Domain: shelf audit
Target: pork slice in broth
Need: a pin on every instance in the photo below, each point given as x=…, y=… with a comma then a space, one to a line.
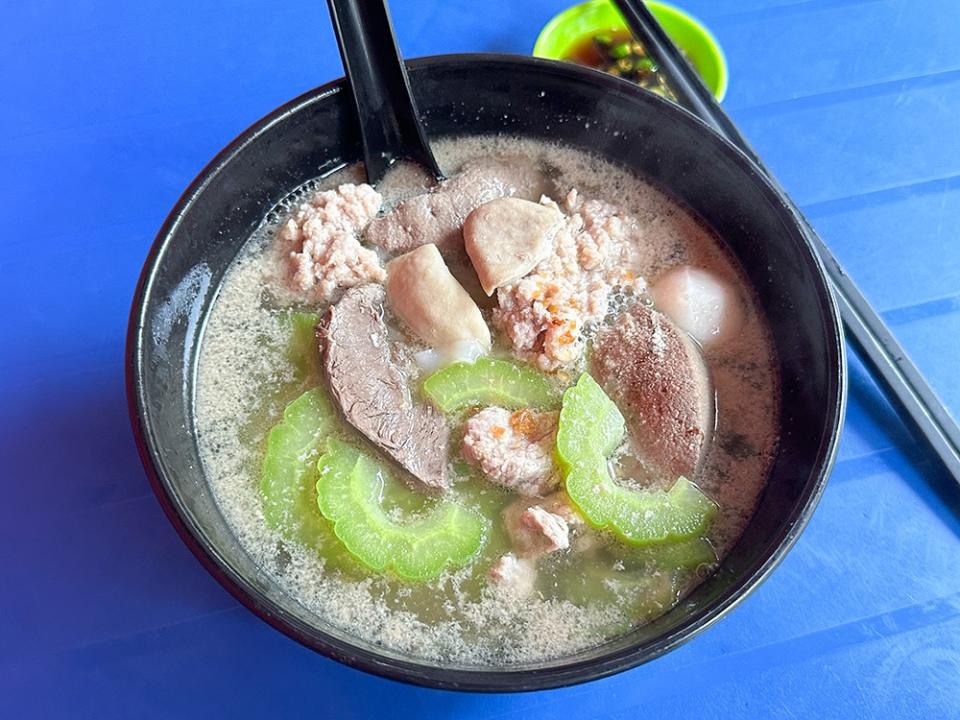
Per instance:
x=658, y=378
x=372, y=392
x=437, y=217
x=534, y=530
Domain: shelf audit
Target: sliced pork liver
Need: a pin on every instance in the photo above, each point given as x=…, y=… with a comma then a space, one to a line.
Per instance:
x=657, y=377
x=372, y=392
x=438, y=216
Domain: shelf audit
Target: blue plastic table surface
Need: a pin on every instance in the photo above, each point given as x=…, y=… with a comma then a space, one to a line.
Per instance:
x=109, y=109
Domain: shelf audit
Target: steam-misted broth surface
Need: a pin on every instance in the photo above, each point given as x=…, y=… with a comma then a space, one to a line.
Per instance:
x=247, y=376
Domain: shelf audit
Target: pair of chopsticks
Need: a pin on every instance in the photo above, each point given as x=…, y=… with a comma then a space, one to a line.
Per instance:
x=902, y=383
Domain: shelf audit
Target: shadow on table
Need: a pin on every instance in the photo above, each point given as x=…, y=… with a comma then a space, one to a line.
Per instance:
x=939, y=491
x=88, y=553
x=100, y=592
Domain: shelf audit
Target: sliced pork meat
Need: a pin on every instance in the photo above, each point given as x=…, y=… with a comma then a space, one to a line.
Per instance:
x=372, y=391
x=424, y=294
x=583, y=538
x=559, y=504
x=534, y=530
x=513, y=449
x=657, y=377
x=437, y=217
x=506, y=238
x=322, y=245
x=513, y=576
x=544, y=315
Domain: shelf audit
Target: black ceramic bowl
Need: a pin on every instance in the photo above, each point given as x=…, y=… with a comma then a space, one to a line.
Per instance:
x=315, y=134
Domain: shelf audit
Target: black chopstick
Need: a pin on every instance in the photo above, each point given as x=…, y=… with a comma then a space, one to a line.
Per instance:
x=900, y=379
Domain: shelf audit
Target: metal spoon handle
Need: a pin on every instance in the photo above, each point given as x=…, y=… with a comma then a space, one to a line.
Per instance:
x=389, y=122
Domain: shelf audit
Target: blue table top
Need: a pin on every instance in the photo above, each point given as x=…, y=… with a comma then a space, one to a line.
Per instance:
x=110, y=108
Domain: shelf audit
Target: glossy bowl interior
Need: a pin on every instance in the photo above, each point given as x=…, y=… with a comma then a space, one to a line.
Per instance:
x=316, y=134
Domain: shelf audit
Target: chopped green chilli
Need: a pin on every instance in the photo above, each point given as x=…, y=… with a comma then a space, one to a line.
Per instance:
x=349, y=492
x=618, y=53
x=490, y=382
x=288, y=477
x=590, y=428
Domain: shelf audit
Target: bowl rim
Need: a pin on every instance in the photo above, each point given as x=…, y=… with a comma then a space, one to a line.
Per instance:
x=418, y=672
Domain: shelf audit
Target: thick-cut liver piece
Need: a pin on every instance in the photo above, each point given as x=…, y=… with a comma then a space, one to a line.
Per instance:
x=657, y=377
x=372, y=392
x=437, y=217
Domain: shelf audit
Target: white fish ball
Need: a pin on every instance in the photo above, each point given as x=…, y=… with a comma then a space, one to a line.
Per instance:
x=700, y=303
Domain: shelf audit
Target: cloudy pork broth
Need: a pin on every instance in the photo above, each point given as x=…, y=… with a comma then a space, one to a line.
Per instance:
x=489, y=423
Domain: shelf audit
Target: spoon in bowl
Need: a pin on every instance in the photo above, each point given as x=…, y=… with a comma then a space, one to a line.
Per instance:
x=390, y=126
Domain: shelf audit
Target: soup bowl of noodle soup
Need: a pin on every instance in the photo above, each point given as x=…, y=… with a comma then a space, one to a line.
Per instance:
x=530, y=426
